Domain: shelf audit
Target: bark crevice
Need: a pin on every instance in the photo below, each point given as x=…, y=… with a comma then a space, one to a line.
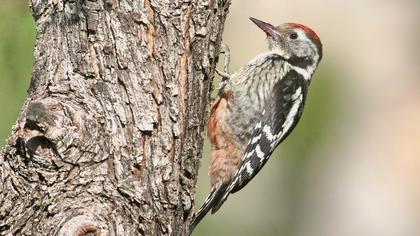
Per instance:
x=109, y=139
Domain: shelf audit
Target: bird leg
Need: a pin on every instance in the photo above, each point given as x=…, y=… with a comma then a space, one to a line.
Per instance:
x=225, y=73
x=226, y=52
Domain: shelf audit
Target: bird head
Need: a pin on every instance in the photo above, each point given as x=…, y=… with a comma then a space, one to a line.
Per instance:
x=293, y=41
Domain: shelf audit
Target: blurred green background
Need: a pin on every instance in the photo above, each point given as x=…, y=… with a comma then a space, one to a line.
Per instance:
x=17, y=38
x=352, y=165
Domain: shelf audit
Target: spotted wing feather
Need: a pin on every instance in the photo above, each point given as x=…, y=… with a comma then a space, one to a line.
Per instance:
x=281, y=116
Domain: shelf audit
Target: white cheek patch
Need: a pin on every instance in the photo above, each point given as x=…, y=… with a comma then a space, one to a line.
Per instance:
x=301, y=51
x=305, y=38
x=304, y=51
x=302, y=35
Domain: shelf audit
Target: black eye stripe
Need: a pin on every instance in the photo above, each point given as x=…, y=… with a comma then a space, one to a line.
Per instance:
x=293, y=36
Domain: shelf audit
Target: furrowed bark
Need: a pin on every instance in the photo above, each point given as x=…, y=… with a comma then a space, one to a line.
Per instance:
x=109, y=139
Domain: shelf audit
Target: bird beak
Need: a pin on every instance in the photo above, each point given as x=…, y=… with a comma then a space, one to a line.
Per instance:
x=266, y=27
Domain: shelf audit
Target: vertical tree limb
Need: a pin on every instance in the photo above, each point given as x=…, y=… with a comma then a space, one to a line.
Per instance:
x=109, y=137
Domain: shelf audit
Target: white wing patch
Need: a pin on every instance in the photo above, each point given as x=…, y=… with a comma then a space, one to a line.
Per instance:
x=259, y=153
x=249, y=154
x=268, y=134
x=256, y=139
x=248, y=168
x=306, y=74
x=298, y=98
x=297, y=94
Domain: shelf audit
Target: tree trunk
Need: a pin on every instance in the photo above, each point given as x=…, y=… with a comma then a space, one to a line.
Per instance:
x=109, y=138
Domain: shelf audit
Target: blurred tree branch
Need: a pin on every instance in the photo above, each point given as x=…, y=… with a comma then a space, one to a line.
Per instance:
x=110, y=134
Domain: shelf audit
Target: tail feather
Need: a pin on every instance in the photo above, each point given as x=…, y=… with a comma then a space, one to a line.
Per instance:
x=221, y=200
x=212, y=200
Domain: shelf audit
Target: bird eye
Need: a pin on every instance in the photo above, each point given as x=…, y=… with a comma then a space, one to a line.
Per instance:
x=294, y=36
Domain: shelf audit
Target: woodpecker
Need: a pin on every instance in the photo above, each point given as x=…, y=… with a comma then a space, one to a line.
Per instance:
x=257, y=108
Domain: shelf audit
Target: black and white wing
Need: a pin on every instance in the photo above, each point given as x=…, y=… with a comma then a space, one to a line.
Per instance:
x=283, y=112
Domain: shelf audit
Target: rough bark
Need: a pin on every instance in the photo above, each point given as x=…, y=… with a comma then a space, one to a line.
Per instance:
x=109, y=139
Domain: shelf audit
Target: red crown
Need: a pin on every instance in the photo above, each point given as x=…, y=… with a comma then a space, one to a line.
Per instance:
x=306, y=29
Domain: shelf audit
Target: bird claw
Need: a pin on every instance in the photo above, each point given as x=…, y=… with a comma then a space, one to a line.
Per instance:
x=225, y=73
x=226, y=51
